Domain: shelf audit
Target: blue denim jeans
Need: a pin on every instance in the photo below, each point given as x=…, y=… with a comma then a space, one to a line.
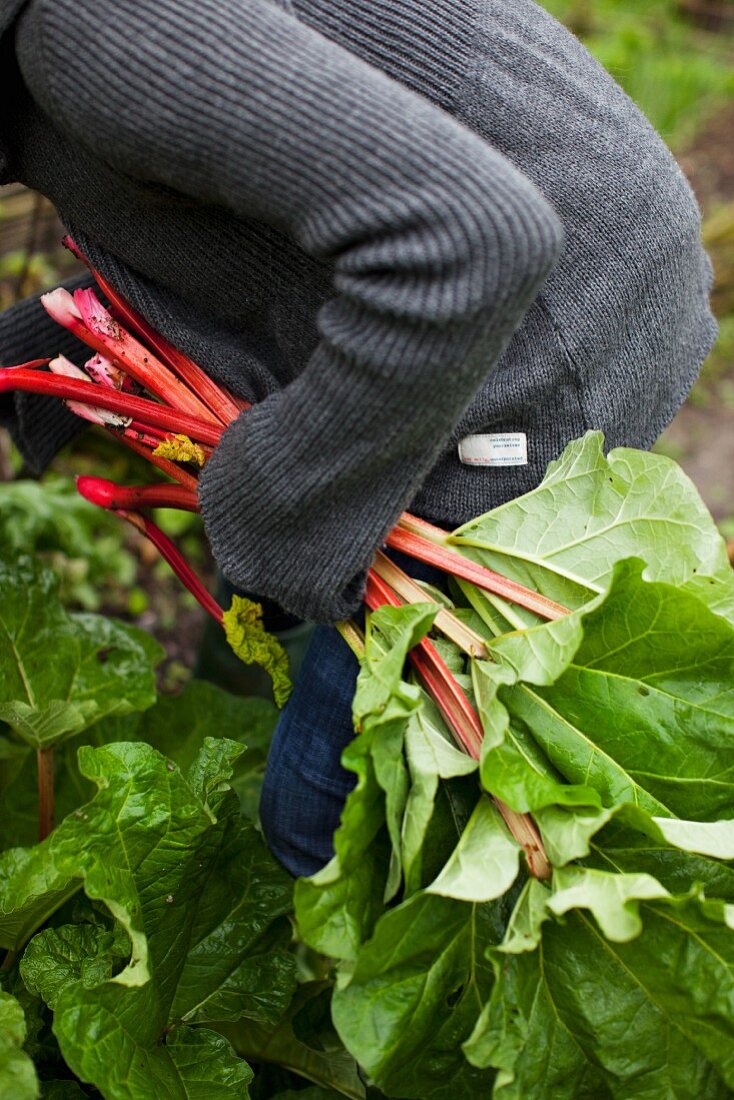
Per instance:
x=305, y=785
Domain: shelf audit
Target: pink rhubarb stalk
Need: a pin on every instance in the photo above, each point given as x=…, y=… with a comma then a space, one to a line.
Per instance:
x=150, y=412
x=218, y=400
x=175, y=559
x=422, y=527
x=113, y=341
x=64, y=368
x=449, y=624
x=451, y=561
x=106, y=373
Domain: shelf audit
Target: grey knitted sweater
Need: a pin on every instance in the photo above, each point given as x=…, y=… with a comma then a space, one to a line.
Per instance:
x=348, y=210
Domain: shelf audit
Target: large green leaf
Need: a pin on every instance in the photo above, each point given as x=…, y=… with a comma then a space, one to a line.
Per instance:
x=337, y=907
x=203, y=905
x=634, y=698
x=62, y=1090
x=431, y=757
x=297, y=1045
x=63, y=672
x=58, y=957
x=314, y=1093
x=414, y=994
x=623, y=849
x=564, y=538
x=646, y=1018
x=485, y=862
x=17, y=1075
x=176, y=725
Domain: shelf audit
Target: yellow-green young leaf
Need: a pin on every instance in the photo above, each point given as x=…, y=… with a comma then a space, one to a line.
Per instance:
x=251, y=642
x=181, y=449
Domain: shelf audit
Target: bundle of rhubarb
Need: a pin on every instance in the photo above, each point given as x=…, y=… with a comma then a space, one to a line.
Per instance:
x=532, y=892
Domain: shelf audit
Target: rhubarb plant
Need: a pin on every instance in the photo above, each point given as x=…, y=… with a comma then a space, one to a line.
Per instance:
x=612, y=727
x=532, y=891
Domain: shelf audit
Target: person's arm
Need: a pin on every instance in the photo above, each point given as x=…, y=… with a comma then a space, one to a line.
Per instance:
x=40, y=426
x=438, y=243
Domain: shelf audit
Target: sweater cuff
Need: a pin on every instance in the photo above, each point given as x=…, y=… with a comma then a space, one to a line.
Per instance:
x=311, y=561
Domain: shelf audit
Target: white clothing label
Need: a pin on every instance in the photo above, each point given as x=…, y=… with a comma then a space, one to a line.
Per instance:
x=502, y=449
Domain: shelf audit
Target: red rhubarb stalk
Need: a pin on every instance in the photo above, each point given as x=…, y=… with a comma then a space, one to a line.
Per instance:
x=132, y=498
x=46, y=795
x=113, y=341
x=175, y=559
x=462, y=719
x=32, y=364
x=415, y=546
x=15, y=378
x=218, y=400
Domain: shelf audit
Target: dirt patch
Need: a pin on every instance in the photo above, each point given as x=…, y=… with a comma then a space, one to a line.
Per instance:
x=709, y=163
x=701, y=437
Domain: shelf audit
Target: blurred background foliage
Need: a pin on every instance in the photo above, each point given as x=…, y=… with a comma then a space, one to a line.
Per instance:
x=673, y=57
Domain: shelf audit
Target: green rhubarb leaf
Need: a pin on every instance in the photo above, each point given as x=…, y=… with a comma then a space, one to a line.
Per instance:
x=485, y=862
x=583, y=1016
x=641, y=708
x=63, y=672
x=526, y=922
x=296, y=1042
x=383, y=706
x=62, y=1090
x=17, y=1075
x=431, y=757
x=336, y=908
x=203, y=906
x=619, y=848
x=614, y=899
x=251, y=642
x=59, y=957
x=176, y=725
x=589, y=512
x=309, y=1094
x=414, y=994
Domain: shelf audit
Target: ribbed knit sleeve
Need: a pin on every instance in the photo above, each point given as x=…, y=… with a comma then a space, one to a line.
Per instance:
x=438, y=243
x=40, y=426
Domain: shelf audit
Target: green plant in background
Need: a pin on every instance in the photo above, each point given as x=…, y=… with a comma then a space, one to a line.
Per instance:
x=83, y=544
x=677, y=75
